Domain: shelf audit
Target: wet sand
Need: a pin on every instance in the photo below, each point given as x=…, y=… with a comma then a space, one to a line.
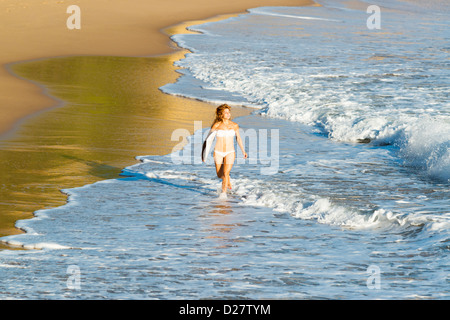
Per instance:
x=33, y=29
x=111, y=111
x=83, y=117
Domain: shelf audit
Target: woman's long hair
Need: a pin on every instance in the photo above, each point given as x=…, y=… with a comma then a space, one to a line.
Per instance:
x=219, y=113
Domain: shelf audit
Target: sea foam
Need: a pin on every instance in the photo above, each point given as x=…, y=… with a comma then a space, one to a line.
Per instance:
x=352, y=83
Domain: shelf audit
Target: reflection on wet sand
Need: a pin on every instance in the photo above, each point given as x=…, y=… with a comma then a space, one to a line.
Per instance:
x=113, y=111
x=220, y=225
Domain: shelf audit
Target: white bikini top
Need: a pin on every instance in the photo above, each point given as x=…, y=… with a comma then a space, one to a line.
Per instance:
x=226, y=133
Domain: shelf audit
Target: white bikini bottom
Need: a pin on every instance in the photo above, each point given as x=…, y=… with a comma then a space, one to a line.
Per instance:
x=223, y=154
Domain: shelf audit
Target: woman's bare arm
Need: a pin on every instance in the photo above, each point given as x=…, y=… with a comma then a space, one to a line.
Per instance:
x=239, y=141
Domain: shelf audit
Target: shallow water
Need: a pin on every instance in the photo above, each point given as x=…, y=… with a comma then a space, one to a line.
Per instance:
x=164, y=234
x=323, y=67
x=108, y=111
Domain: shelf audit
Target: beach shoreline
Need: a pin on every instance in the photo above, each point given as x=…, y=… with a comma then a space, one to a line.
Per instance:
x=33, y=31
x=321, y=215
x=28, y=142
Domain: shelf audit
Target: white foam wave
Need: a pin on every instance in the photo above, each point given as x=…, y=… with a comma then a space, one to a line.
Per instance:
x=341, y=88
x=264, y=11
x=310, y=207
x=426, y=145
x=287, y=197
x=35, y=246
x=283, y=198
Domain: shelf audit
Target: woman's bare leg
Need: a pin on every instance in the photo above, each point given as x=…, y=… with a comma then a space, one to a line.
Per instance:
x=223, y=168
x=227, y=165
x=218, y=161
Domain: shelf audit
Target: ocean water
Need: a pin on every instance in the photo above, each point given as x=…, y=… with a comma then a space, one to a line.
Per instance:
x=345, y=194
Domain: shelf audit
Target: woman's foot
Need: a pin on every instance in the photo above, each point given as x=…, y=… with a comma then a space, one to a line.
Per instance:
x=224, y=187
x=223, y=195
x=226, y=184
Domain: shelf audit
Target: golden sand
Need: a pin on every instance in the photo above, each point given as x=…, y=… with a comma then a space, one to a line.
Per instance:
x=101, y=101
x=113, y=111
x=32, y=29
